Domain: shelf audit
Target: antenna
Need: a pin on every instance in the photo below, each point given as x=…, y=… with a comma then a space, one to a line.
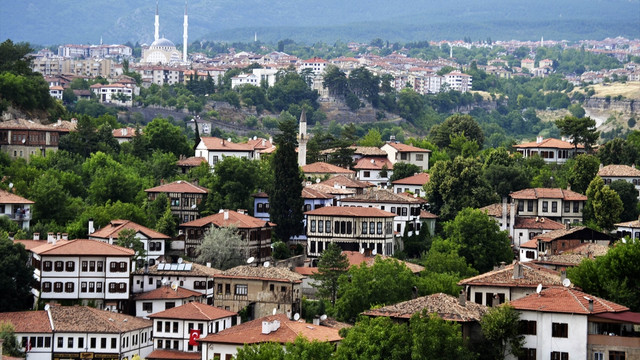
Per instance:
x=296, y=316
x=566, y=283
x=10, y=185
x=266, y=264
x=539, y=289
x=194, y=206
x=250, y=260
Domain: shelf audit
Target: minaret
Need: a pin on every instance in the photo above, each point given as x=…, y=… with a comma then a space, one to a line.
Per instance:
x=450, y=51
x=542, y=41
x=255, y=36
x=302, y=140
x=156, y=35
x=185, y=44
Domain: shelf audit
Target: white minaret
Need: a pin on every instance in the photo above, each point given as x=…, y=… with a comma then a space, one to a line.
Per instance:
x=184, y=35
x=156, y=35
x=450, y=51
x=542, y=41
x=255, y=36
x=302, y=140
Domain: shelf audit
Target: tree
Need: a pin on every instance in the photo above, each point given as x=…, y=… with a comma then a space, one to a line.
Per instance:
x=457, y=125
x=300, y=349
x=286, y=198
x=223, y=247
x=233, y=182
x=403, y=170
x=335, y=80
x=603, y=204
x=583, y=170
x=280, y=251
x=167, y=137
x=434, y=338
x=480, y=239
x=387, y=281
x=16, y=276
x=618, y=151
x=332, y=264
x=375, y=338
x=456, y=184
x=372, y=138
x=500, y=327
x=127, y=238
x=580, y=130
x=629, y=197
x=613, y=276
x=10, y=344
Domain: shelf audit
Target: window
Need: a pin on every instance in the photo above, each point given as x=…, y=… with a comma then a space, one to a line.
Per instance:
x=616, y=355
x=159, y=326
x=147, y=306
x=83, y=287
x=554, y=206
x=175, y=326
x=169, y=305
x=92, y=266
x=227, y=288
x=528, y=354
x=93, y=343
x=57, y=287
x=545, y=206
x=70, y=342
x=557, y=355
x=100, y=266
x=567, y=206
x=123, y=266
x=530, y=254
x=366, y=174
x=241, y=289
x=313, y=226
x=68, y=287
x=219, y=291
x=46, y=286
x=349, y=227
x=98, y=287
x=113, y=266
x=103, y=343
x=320, y=226
x=419, y=157
x=520, y=205
x=122, y=287
x=598, y=356
x=530, y=205
x=81, y=342
x=59, y=266
x=364, y=227
x=327, y=226
x=70, y=266
x=372, y=228
x=528, y=327
x=404, y=211
x=559, y=330
x=576, y=206
x=46, y=266
x=60, y=341
x=112, y=287
x=404, y=156
x=379, y=227
x=84, y=266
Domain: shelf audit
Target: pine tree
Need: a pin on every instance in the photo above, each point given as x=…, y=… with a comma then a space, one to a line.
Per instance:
x=285, y=199
x=331, y=265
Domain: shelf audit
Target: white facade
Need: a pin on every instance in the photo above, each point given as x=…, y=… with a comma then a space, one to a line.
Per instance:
x=174, y=334
x=397, y=153
x=374, y=176
x=255, y=78
x=458, y=81
x=406, y=214
x=416, y=189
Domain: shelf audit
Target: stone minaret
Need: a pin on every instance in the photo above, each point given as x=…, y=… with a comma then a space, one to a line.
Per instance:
x=184, y=35
x=156, y=35
x=302, y=140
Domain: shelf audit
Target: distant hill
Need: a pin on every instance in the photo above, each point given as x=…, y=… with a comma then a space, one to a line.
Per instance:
x=75, y=21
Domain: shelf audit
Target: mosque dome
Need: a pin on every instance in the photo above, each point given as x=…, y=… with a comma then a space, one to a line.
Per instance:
x=162, y=42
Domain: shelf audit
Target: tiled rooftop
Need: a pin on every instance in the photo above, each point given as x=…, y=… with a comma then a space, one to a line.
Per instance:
x=84, y=319
x=164, y=354
x=549, y=143
x=166, y=292
x=406, y=148
x=445, y=306
x=376, y=195
x=547, y=193
x=566, y=300
x=417, y=179
x=11, y=198
x=373, y=163
x=82, y=247
x=113, y=229
x=193, y=311
x=532, y=275
x=325, y=168
x=234, y=218
x=350, y=211
x=28, y=321
x=619, y=171
x=541, y=223
x=261, y=273
x=196, y=270
x=179, y=186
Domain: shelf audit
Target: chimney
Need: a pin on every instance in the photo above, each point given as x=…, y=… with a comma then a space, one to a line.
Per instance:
x=51, y=238
x=569, y=187
x=517, y=271
x=91, y=228
x=502, y=264
x=226, y=214
x=58, y=236
x=563, y=275
x=36, y=236
x=266, y=327
x=504, y=213
x=208, y=264
x=590, y=305
x=601, y=166
x=124, y=131
x=316, y=321
x=264, y=142
x=65, y=236
x=539, y=139
x=462, y=298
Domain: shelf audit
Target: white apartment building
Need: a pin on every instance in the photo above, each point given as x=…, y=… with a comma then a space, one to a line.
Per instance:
x=561, y=205
x=255, y=78
x=398, y=152
x=154, y=243
x=82, y=270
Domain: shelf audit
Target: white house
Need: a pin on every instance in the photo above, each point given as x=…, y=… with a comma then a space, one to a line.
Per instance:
x=564, y=323
x=629, y=228
x=256, y=78
x=458, y=81
x=121, y=94
x=398, y=152
x=214, y=149
x=561, y=205
x=414, y=184
x=173, y=328
x=80, y=332
x=376, y=170
x=56, y=92
x=612, y=173
x=164, y=298
x=153, y=241
x=551, y=150
x=82, y=270
x=16, y=208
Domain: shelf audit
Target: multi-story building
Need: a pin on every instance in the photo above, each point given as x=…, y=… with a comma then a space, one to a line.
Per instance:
x=414, y=184
x=82, y=271
x=154, y=242
x=121, y=94
x=164, y=298
x=458, y=81
x=255, y=231
x=22, y=138
x=406, y=208
x=551, y=150
x=184, y=198
x=564, y=323
x=80, y=332
x=558, y=241
x=351, y=228
x=186, y=275
x=256, y=78
x=376, y=170
x=561, y=205
x=16, y=208
x=398, y=152
x=215, y=149
x=626, y=173
x=320, y=170
x=260, y=289
x=177, y=329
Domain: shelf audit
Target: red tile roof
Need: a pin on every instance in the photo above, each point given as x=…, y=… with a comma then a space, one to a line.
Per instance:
x=541, y=223
x=30, y=244
x=373, y=163
x=424, y=214
x=166, y=292
x=270, y=273
x=241, y=221
x=251, y=332
x=173, y=355
x=127, y=132
x=83, y=319
x=549, y=143
x=566, y=300
x=306, y=270
x=191, y=161
x=193, y=311
x=356, y=258
x=325, y=168
x=619, y=171
x=445, y=306
x=309, y=193
x=179, y=186
x=531, y=244
x=23, y=124
x=532, y=275
x=11, y=198
x=214, y=143
x=495, y=210
x=400, y=147
x=375, y=195
x=547, y=193
x=28, y=321
x=82, y=247
x=350, y=211
x=341, y=180
x=113, y=229
x=417, y=179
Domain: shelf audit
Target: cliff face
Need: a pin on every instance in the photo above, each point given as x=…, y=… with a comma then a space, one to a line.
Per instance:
x=625, y=106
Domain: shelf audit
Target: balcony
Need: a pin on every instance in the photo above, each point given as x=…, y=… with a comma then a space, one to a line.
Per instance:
x=617, y=341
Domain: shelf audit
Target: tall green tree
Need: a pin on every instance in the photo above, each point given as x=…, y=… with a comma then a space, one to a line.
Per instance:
x=403, y=170
x=580, y=130
x=629, y=197
x=286, y=197
x=372, y=138
x=127, y=238
x=332, y=264
x=376, y=339
x=583, y=169
x=434, y=338
x=233, y=182
x=167, y=137
x=455, y=125
x=603, y=204
x=16, y=276
x=10, y=344
x=501, y=329
x=480, y=239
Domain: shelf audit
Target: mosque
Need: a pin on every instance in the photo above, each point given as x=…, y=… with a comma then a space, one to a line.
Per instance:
x=163, y=51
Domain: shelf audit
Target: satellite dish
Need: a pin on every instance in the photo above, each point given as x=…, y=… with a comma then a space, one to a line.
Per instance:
x=174, y=285
x=374, y=252
x=266, y=264
x=362, y=251
x=47, y=307
x=296, y=316
x=24, y=141
x=180, y=260
x=539, y=289
x=317, y=180
x=250, y=260
x=566, y=283
x=10, y=185
x=323, y=317
x=194, y=206
x=164, y=282
x=274, y=311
